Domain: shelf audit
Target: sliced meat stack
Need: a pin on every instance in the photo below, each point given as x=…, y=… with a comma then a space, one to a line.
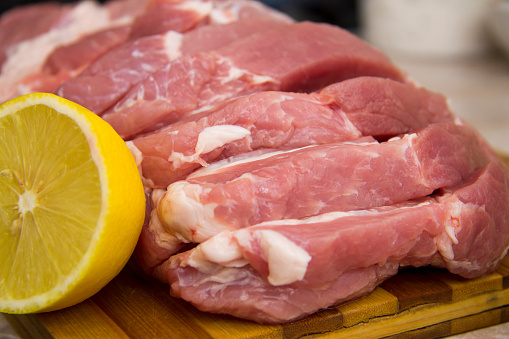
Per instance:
x=270, y=119
x=289, y=166
x=320, y=54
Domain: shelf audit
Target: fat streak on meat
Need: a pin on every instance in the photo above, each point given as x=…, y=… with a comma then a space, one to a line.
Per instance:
x=67, y=61
x=321, y=54
x=25, y=23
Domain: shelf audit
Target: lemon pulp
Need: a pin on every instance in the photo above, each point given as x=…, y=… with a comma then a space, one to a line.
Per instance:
x=42, y=204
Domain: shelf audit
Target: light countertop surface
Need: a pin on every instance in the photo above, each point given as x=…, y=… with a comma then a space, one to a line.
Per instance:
x=478, y=90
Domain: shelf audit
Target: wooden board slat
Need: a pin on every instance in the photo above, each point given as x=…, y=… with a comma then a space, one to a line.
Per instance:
x=85, y=320
x=423, y=316
x=416, y=303
x=414, y=287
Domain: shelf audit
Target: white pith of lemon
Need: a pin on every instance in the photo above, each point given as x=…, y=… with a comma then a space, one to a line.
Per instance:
x=71, y=204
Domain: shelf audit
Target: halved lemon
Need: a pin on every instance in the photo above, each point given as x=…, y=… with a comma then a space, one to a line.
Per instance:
x=71, y=204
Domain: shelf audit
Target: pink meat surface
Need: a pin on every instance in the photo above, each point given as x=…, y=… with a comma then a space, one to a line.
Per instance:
x=105, y=81
x=24, y=23
x=289, y=120
x=318, y=179
x=22, y=69
x=321, y=54
x=126, y=10
x=284, y=270
x=67, y=61
x=74, y=57
x=161, y=16
x=384, y=108
x=261, y=120
x=239, y=192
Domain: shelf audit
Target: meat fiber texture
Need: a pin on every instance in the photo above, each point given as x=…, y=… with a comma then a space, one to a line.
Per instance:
x=289, y=166
x=43, y=52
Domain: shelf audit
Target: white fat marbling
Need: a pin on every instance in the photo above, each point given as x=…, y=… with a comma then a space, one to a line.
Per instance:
x=173, y=44
x=208, y=140
x=287, y=261
x=197, y=6
x=223, y=249
x=183, y=215
x=241, y=159
x=217, y=136
x=86, y=17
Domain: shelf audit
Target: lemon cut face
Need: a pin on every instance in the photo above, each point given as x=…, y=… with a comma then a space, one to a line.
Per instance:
x=71, y=204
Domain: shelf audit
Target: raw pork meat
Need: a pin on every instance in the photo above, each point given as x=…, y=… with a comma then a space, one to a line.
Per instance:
x=241, y=191
x=74, y=57
x=311, y=180
x=261, y=120
x=321, y=54
x=67, y=61
x=161, y=16
x=25, y=23
x=26, y=55
x=345, y=111
x=105, y=81
x=383, y=109
x=283, y=270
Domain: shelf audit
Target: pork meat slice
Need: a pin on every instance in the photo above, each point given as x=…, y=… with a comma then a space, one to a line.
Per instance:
x=245, y=190
x=161, y=16
x=318, y=179
x=257, y=186
x=67, y=61
x=384, y=109
x=23, y=71
x=299, y=57
x=261, y=120
x=105, y=81
x=286, y=120
x=74, y=57
x=283, y=270
x=26, y=58
x=27, y=22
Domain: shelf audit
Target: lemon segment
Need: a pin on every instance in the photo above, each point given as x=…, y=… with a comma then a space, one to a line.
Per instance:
x=71, y=204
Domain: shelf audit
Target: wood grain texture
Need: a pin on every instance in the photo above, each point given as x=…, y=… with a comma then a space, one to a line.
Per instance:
x=416, y=303
x=424, y=302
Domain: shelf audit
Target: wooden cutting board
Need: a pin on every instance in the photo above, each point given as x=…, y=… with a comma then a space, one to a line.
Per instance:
x=416, y=303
